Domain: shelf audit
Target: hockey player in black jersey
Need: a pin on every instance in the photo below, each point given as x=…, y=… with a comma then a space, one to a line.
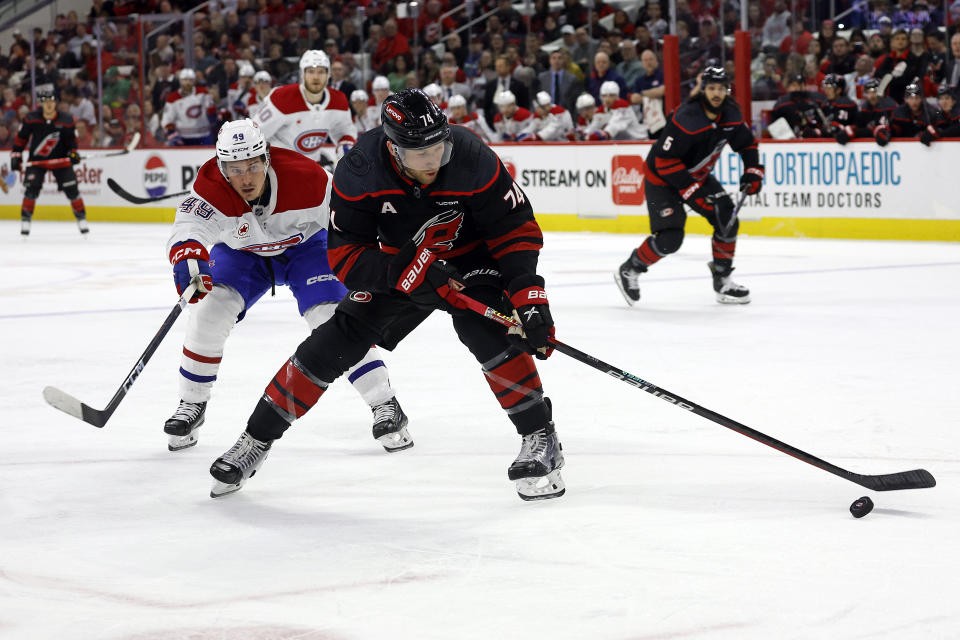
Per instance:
x=839, y=111
x=678, y=174
x=916, y=118
x=50, y=134
x=419, y=208
x=949, y=126
x=876, y=112
x=801, y=109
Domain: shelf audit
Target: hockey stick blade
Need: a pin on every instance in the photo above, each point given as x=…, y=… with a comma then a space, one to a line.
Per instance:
x=129, y=197
x=68, y=404
x=914, y=479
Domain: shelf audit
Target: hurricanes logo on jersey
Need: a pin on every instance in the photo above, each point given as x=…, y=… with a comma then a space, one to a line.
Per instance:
x=47, y=145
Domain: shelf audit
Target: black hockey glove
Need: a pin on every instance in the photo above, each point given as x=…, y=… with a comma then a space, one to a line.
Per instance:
x=417, y=272
x=752, y=180
x=928, y=135
x=842, y=134
x=532, y=310
x=74, y=157
x=15, y=162
x=882, y=136
x=700, y=198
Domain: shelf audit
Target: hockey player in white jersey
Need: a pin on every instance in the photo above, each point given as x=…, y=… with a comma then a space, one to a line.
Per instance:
x=254, y=219
x=365, y=117
x=262, y=85
x=512, y=120
x=615, y=119
x=435, y=93
x=188, y=112
x=381, y=91
x=550, y=122
x=471, y=120
x=304, y=116
x=240, y=92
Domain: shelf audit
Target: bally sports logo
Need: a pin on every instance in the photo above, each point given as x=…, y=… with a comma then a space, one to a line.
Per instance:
x=310, y=140
x=155, y=176
x=391, y=111
x=627, y=182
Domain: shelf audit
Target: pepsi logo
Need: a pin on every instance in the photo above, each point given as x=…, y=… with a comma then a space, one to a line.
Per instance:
x=194, y=111
x=155, y=176
x=391, y=111
x=310, y=141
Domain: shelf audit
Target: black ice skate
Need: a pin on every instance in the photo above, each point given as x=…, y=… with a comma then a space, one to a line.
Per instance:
x=627, y=277
x=236, y=466
x=537, y=468
x=728, y=291
x=183, y=424
x=390, y=426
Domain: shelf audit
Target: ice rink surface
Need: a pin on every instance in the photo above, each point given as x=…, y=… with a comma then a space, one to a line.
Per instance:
x=672, y=526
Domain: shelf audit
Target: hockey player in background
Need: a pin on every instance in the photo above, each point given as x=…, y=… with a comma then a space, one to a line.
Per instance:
x=586, y=110
x=365, y=117
x=839, y=110
x=254, y=219
x=188, y=113
x=800, y=108
x=416, y=204
x=471, y=120
x=615, y=119
x=381, y=90
x=303, y=116
x=511, y=120
x=678, y=174
x=241, y=91
x=916, y=118
x=50, y=135
x=949, y=126
x=876, y=111
x=435, y=93
x=550, y=122
x=262, y=85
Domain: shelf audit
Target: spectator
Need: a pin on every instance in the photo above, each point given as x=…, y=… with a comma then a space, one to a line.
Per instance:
x=630, y=66
x=392, y=44
x=621, y=23
x=349, y=38
x=449, y=86
x=862, y=74
x=113, y=134
x=65, y=57
x=6, y=136
x=906, y=17
x=454, y=45
x=952, y=71
x=85, y=134
x=350, y=70
x=767, y=86
x=277, y=65
x=840, y=60
x=504, y=82
x=650, y=84
x=510, y=18
x=828, y=33
x=902, y=66
x=80, y=107
x=777, y=26
x=569, y=37
x=76, y=43
x=338, y=79
x=573, y=13
x=799, y=39
x=655, y=22
x=584, y=49
x=602, y=73
x=398, y=76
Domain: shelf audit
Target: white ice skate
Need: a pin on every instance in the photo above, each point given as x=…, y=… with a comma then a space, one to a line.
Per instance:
x=537, y=467
x=239, y=464
x=390, y=426
x=183, y=424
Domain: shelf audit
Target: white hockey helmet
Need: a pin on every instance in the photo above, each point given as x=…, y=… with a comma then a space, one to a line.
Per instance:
x=543, y=99
x=456, y=100
x=245, y=69
x=433, y=90
x=585, y=101
x=359, y=95
x=609, y=88
x=262, y=76
x=505, y=97
x=241, y=140
x=381, y=82
x=187, y=74
x=314, y=58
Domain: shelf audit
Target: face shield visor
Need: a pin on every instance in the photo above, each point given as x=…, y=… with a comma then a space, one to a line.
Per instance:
x=426, y=159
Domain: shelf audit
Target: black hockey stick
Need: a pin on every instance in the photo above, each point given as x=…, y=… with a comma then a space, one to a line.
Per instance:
x=915, y=479
x=68, y=404
x=129, y=197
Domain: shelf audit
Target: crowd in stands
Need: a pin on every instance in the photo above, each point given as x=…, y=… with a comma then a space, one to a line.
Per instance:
x=563, y=72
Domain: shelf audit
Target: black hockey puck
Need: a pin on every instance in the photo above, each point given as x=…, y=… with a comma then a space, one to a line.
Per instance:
x=861, y=507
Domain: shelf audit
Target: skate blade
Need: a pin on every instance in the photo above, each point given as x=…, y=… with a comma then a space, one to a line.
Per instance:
x=541, y=488
x=623, y=291
x=220, y=489
x=723, y=298
x=178, y=443
x=396, y=441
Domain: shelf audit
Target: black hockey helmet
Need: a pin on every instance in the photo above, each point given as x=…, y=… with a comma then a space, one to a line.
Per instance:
x=946, y=90
x=412, y=121
x=715, y=75
x=913, y=89
x=871, y=85
x=46, y=92
x=838, y=82
x=796, y=78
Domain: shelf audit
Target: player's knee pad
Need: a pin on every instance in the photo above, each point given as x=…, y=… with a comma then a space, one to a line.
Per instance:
x=335, y=346
x=668, y=241
x=212, y=319
x=318, y=314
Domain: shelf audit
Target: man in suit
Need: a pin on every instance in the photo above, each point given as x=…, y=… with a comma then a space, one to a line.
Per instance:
x=952, y=77
x=338, y=79
x=449, y=86
x=559, y=83
x=503, y=82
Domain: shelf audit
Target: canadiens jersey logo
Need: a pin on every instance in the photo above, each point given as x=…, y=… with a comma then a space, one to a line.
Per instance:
x=310, y=140
x=194, y=111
